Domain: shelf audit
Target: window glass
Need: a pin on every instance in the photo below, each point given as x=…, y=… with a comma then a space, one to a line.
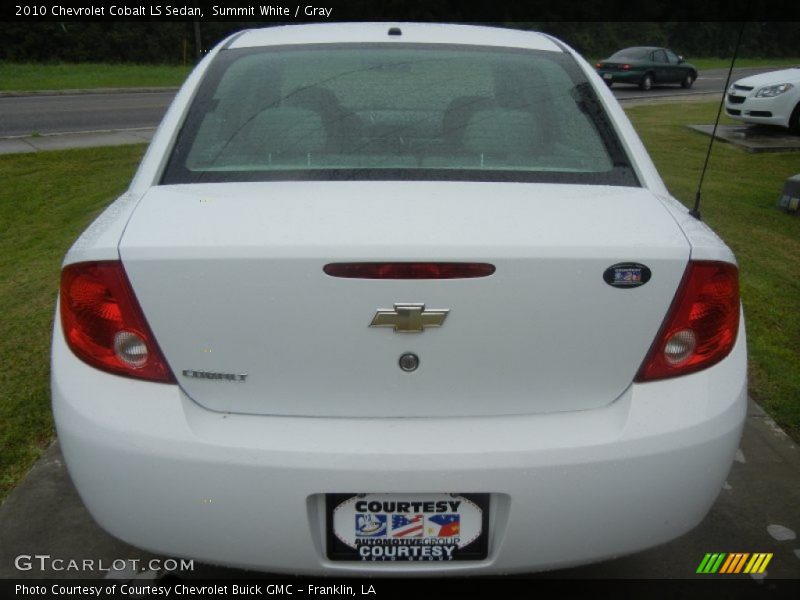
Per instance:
x=659, y=56
x=387, y=111
x=631, y=54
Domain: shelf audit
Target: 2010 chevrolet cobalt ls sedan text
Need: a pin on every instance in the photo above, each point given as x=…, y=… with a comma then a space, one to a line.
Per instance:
x=397, y=298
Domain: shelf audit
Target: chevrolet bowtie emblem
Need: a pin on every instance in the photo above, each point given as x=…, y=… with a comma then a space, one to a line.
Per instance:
x=409, y=318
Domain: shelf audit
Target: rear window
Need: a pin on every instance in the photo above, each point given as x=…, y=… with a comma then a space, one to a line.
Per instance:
x=392, y=111
x=632, y=54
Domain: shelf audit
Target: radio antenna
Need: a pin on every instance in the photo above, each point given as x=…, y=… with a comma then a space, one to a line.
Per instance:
x=695, y=212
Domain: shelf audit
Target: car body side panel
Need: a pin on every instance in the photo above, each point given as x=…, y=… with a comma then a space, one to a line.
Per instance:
x=705, y=243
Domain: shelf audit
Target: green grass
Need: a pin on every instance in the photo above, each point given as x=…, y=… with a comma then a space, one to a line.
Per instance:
x=84, y=76
x=738, y=201
x=704, y=64
x=46, y=200
x=741, y=63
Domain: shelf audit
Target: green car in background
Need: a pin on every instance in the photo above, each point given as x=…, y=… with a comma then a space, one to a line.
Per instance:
x=646, y=66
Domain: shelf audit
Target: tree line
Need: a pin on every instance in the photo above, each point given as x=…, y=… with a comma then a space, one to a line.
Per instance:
x=179, y=42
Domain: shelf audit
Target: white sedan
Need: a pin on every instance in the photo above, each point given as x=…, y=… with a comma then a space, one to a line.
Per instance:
x=398, y=298
x=768, y=99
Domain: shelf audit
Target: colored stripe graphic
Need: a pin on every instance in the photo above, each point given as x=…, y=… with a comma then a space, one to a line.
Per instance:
x=742, y=558
x=703, y=564
x=758, y=563
x=711, y=563
x=727, y=564
x=734, y=563
x=723, y=563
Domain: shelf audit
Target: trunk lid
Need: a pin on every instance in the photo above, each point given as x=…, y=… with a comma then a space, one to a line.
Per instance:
x=230, y=278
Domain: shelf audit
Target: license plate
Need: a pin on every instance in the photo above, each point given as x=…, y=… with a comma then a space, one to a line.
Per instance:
x=607, y=75
x=407, y=527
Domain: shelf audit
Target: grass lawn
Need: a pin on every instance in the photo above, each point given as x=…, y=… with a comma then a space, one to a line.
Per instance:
x=739, y=197
x=84, y=76
x=741, y=63
x=48, y=198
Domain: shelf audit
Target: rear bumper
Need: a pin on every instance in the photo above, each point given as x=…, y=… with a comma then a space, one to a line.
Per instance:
x=633, y=77
x=164, y=474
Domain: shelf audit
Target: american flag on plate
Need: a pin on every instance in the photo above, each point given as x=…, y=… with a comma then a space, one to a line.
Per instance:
x=407, y=526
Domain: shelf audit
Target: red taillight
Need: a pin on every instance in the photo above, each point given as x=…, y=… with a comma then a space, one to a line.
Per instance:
x=104, y=325
x=626, y=67
x=599, y=65
x=702, y=323
x=409, y=270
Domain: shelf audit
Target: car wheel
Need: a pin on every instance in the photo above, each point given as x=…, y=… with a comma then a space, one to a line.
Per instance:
x=687, y=81
x=647, y=82
x=794, y=120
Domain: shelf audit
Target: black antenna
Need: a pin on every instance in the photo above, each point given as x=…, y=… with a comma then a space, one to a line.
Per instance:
x=695, y=212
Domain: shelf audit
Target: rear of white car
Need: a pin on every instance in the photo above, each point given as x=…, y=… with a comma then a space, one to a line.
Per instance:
x=767, y=99
x=398, y=298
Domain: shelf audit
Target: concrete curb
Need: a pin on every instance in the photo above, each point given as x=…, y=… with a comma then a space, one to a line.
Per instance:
x=652, y=99
x=82, y=139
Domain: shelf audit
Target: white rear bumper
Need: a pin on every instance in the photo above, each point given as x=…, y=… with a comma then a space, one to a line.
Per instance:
x=164, y=474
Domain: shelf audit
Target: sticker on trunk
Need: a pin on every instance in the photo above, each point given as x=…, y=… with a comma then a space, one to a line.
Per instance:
x=627, y=275
x=407, y=527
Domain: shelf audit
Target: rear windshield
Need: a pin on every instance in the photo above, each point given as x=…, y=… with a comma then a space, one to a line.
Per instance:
x=396, y=111
x=631, y=54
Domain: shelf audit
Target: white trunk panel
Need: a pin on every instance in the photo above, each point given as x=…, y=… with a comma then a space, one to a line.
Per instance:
x=230, y=279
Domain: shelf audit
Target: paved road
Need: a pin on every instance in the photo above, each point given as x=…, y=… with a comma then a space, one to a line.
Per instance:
x=709, y=83
x=27, y=115
x=60, y=113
